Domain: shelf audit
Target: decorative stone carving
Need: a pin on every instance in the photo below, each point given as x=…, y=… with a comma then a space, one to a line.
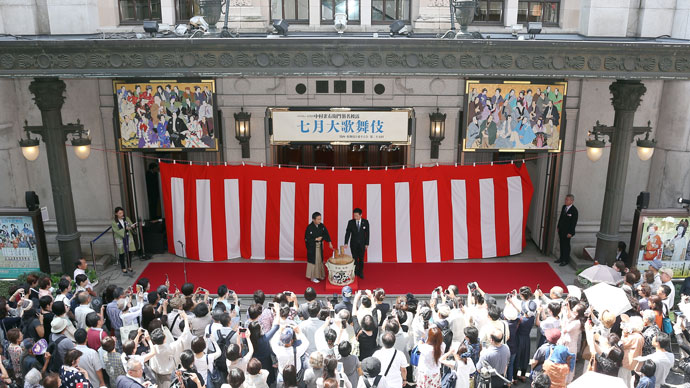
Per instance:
x=112, y=58
x=375, y=60
x=6, y=61
x=300, y=60
x=627, y=95
x=439, y=3
x=240, y=3
x=594, y=63
x=225, y=60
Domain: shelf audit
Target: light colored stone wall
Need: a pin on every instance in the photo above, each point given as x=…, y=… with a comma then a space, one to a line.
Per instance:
x=669, y=177
x=587, y=179
x=91, y=178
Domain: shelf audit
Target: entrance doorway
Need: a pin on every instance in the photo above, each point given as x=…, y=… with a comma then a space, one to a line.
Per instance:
x=354, y=155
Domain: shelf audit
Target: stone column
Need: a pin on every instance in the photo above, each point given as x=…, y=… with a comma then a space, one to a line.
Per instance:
x=627, y=96
x=48, y=95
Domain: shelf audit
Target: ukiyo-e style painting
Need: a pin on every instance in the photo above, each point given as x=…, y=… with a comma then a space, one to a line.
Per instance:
x=513, y=115
x=165, y=114
x=665, y=239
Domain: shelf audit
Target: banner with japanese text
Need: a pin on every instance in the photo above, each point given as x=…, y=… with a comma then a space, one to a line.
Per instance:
x=340, y=126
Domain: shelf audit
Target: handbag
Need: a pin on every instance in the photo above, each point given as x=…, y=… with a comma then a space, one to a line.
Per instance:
x=355, y=345
x=214, y=376
x=667, y=327
x=414, y=356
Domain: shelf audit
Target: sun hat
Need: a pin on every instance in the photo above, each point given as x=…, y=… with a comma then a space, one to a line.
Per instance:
x=57, y=326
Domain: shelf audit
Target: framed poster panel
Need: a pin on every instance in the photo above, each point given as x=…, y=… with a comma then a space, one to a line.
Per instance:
x=513, y=116
x=166, y=115
x=662, y=234
x=22, y=243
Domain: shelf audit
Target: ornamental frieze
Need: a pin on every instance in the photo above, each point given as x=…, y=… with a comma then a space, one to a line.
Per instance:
x=213, y=57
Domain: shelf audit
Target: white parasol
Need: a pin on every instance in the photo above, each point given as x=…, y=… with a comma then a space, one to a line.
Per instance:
x=605, y=297
x=602, y=274
x=594, y=379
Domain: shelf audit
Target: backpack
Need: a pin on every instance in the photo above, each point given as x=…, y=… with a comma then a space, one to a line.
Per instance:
x=219, y=364
x=377, y=380
x=55, y=358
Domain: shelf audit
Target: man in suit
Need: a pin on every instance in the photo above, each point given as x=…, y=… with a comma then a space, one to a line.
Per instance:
x=134, y=377
x=358, y=229
x=566, y=228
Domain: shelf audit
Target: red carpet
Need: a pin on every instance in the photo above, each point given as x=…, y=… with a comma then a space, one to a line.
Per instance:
x=395, y=278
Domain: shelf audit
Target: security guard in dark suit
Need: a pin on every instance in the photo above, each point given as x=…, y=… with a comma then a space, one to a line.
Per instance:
x=566, y=228
x=358, y=229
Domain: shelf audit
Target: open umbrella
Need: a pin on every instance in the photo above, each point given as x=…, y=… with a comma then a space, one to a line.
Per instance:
x=605, y=297
x=594, y=379
x=602, y=274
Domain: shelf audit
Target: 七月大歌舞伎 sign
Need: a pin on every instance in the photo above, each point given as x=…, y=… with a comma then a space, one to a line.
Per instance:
x=341, y=126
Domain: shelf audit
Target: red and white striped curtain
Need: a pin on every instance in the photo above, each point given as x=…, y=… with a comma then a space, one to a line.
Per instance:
x=425, y=214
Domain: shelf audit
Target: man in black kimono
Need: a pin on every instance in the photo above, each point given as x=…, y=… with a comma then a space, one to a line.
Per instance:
x=314, y=237
x=358, y=229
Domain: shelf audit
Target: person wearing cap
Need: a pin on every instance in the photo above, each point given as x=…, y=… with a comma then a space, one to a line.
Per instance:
x=527, y=312
x=64, y=344
x=288, y=345
x=655, y=266
x=314, y=237
x=666, y=276
x=559, y=365
x=346, y=303
x=544, y=351
x=511, y=317
x=371, y=375
x=31, y=350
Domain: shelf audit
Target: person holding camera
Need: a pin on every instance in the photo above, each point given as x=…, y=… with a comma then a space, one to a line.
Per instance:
x=204, y=359
x=187, y=376
x=289, y=346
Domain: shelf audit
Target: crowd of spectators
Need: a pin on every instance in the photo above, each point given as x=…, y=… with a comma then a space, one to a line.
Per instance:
x=146, y=336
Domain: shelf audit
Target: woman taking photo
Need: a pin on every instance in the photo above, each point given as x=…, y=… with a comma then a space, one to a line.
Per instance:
x=429, y=368
x=123, y=229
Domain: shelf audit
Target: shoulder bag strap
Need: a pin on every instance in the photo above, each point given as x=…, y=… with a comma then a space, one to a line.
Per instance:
x=390, y=364
x=377, y=380
x=172, y=327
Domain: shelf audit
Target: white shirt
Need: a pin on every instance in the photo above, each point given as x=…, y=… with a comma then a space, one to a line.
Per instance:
x=427, y=365
x=463, y=372
x=393, y=378
x=286, y=356
x=91, y=362
x=382, y=382
x=309, y=329
x=62, y=298
x=80, y=314
x=672, y=296
x=79, y=271
x=204, y=364
x=664, y=362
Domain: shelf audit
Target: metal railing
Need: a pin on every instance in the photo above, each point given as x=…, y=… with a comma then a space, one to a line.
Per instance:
x=93, y=256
